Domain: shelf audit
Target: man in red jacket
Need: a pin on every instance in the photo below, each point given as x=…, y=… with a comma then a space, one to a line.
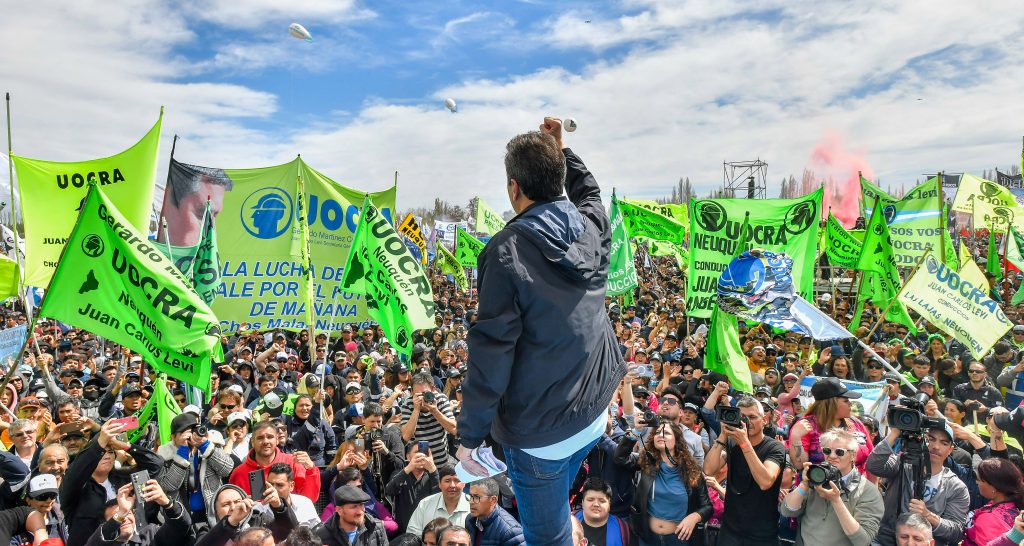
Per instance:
x=264, y=453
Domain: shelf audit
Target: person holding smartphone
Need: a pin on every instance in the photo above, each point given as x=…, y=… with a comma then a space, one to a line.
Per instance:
x=417, y=481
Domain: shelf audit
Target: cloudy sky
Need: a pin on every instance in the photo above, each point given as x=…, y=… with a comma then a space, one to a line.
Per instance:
x=660, y=89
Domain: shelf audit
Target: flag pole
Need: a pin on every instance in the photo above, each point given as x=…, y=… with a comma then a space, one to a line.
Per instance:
x=167, y=188
x=942, y=217
x=893, y=300
x=10, y=174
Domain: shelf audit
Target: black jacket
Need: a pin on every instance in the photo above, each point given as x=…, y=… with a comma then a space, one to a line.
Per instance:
x=406, y=492
x=699, y=500
x=83, y=500
x=172, y=531
x=372, y=533
x=544, y=361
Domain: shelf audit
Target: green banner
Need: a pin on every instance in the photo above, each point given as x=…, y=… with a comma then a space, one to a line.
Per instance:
x=10, y=277
x=396, y=290
x=780, y=225
x=913, y=219
x=842, y=247
x=113, y=282
x=723, y=352
x=985, y=201
x=665, y=248
x=52, y=194
x=992, y=259
x=643, y=222
x=956, y=307
x=881, y=276
x=166, y=409
x=467, y=248
x=258, y=236
x=675, y=211
x=487, y=220
x=621, y=266
x=305, y=258
x=449, y=265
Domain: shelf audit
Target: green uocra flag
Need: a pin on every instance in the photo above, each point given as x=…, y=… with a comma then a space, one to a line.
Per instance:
x=881, y=280
x=643, y=222
x=487, y=220
x=467, y=248
x=380, y=267
x=914, y=219
x=842, y=247
x=52, y=194
x=114, y=282
x=621, y=267
x=448, y=265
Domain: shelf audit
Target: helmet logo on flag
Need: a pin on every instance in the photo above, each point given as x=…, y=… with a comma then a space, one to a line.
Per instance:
x=711, y=216
x=92, y=245
x=800, y=217
x=267, y=213
x=890, y=213
x=989, y=189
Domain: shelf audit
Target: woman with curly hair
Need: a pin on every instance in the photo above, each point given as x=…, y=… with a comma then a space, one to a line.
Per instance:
x=671, y=495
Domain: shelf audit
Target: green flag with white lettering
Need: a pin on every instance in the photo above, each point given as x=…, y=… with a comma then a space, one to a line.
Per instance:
x=487, y=220
x=199, y=263
x=380, y=266
x=621, y=266
x=448, y=265
x=467, y=248
x=113, y=282
x=915, y=220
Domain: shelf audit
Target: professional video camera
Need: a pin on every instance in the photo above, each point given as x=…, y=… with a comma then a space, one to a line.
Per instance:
x=729, y=415
x=913, y=425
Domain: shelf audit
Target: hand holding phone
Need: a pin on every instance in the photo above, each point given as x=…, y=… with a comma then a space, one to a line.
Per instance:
x=257, y=485
x=130, y=423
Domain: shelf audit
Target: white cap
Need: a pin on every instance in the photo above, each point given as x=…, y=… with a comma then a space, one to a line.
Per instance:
x=384, y=340
x=353, y=385
x=825, y=297
x=42, y=484
x=272, y=401
x=281, y=355
x=236, y=416
x=136, y=359
x=235, y=388
x=193, y=409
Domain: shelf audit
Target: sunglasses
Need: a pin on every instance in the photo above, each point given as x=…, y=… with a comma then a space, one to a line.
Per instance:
x=790, y=359
x=840, y=452
x=875, y=366
x=45, y=497
x=227, y=406
x=687, y=370
x=670, y=402
x=353, y=391
x=976, y=371
x=21, y=434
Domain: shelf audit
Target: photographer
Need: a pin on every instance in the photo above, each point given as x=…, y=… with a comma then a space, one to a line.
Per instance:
x=755, y=476
x=945, y=498
x=427, y=416
x=194, y=465
x=847, y=506
x=831, y=409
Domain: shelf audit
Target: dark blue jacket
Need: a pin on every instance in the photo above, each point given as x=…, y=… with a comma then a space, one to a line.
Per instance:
x=601, y=462
x=497, y=529
x=543, y=359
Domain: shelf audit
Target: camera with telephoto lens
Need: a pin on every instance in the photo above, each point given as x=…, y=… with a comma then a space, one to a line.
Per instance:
x=822, y=474
x=428, y=397
x=201, y=430
x=729, y=415
x=373, y=435
x=653, y=420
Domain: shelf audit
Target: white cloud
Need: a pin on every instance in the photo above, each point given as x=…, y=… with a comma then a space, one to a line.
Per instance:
x=256, y=13
x=689, y=84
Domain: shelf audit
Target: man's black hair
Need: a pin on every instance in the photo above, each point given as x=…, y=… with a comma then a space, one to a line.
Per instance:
x=535, y=162
x=282, y=468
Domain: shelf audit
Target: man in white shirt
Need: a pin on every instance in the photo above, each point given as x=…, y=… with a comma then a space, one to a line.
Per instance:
x=282, y=478
x=451, y=503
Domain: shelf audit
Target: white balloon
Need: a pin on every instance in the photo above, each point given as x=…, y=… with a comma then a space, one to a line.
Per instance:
x=300, y=32
x=569, y=124
x=449, y=103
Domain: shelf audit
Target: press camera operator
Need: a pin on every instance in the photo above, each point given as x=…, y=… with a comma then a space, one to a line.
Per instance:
x=912, y=458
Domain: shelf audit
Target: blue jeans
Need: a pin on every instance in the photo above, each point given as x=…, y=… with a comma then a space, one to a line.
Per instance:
x=542, y=494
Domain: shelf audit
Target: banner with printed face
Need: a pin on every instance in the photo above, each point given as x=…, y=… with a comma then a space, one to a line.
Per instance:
x=52, y=194
x=780, y=225
x=11, y=341
x=956, y=306
x=259, y=240
x=913, y=219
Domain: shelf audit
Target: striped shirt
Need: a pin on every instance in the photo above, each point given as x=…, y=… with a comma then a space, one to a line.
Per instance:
x=429, y=429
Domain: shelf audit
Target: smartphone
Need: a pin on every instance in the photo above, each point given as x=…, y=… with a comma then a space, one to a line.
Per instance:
x=130, y=423
x=423, y=447
x=139, y=480
x=360, y=445
x=257, y=485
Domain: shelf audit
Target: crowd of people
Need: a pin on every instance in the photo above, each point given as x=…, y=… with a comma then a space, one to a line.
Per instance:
x=339, y=440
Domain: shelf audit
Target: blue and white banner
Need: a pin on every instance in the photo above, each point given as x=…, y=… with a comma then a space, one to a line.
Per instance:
x=11, y=341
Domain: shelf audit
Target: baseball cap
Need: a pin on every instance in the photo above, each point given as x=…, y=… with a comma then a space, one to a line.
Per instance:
x=281, y=356
x=273, y=404
x=183, y=422
x=312, y=381
x=237, y=416
x=830, y=387
x=28, y=401
x=41, y=485
x=892, y=377
x=944, y=428
x=690, y=406
x=1018, y=329
x=353, y=385
x=272, y=367
x=193, y=409
x=927, y=380
x=130, y=390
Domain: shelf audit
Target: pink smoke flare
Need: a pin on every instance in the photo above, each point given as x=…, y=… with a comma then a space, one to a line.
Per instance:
x=832, y=161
